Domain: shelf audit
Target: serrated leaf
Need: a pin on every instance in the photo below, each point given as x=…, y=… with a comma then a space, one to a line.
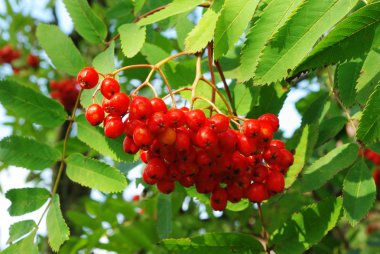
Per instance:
x=183, y=27
x=153, y=53
x=132, y=38
x=307, y=227
x=203, y=32
x=271, y=100
x=24, y=246
x=94, y=174
x=104, y=63
x=233, y=20
x=273, y=17
x=330, y=128
x=58, y=231
x=323, y=169
x=215, y=243
x=293, y=41
x=19, y=229
x=244, y=97
x=94, y=137
x=359, y=192
x=351, y=38
x=174, y=8
x=26, y=200
x=31, y=105
x=164, y=215
x=60, y=49
x=369, y=126
x=86, y=22
x=27, y=153
x=346, y=75
x=299, y=158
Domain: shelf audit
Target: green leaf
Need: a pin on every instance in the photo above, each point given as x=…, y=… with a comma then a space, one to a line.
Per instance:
x=94, y=174
x=19, y=229
x=351, y=38
x=271, y=100
x=370, y=73
x=58, y=231
x=104, y=62
x=232, y=22
x=330, y=128
x=299, y=157
x=24, y=246
x=274, y=16
x=327, y=166
x=164, y=215
x=215, y=243
x=132, y=38
x=86, y=23
x=239, y=206
x=293, y=41
x=243, y=98
x=174, y=8
x=94, y=137
x=307, y=227
x=359, y=192
x=60, y=49
x=31, y=105
x=346, y=75
x=153, y=53
x=369, y=126
x=26, y=200
x=203, y=32
x=183, y=27
x=27, y=153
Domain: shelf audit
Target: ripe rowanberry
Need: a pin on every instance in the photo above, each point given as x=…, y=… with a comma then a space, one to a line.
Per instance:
x=165, y=186
x=195, y=119
x=88, y=78
x=206, y=138
x=113, y=127
x=257, y=192
x=176, y=117
x=129, y=146
x=218, y=199
x=271, y=119
x=141, y=108
x=109, y=87
x=119, y=104
x=219, y=123
x=158, y=105
x=142, y=137
x=95, y=114
x=275, y=182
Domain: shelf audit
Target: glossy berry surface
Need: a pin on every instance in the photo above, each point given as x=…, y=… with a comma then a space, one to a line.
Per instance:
x=95, y=114
x=109, y=87
x=88, y=78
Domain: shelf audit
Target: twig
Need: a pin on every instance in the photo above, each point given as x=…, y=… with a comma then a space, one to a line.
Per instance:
x=210, y=54
x=166, y=82
x=265, y=232
x=198, y=76
x=216, y=90
x=208, y=101
x=221, y=74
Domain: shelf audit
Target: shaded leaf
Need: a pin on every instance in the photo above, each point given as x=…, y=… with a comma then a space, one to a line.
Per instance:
x=330, y=128
x=293, y=41
x=94, y=174
x=19, y=229
x=31, y=105
x=244, y=97
x=26, y=200
x=132, y=38
x=27, y=153
x=345, y=41
x=215, y=243
x=164, y=215
x=86, y=22
x=24, y=246
x=307, y=227
x=58, y=231
x=233, y=20
x=369, y=126
x=346, y=75
x=60, y=49
x=359, y=192
x=203, y=32
x=274, y=15
x=271, y=100
x=174, y=8
x=323, y=169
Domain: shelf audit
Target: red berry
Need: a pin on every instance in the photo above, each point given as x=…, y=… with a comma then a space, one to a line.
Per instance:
x=218, y=199
x=156, y=169
x=165, y=186
x=286, y=157
x=167, y=137
x=114, y=127
x=95, y=114
x=109, y=87
x=88, y=78
x=247, y=146
x=106, y=105
x=219, y=123
x=259, y=173
x=158, y=105
x=265, y=133
x=130, y=126
x=143, y=155
x=275, y=182
x=158, y=122
x=251, y=128
x=195, y=119
x=277, y=143
x=186, y=181
x=257, y=192
x=32, y=60
x=142, y=137
x=182, y=141
x=271, y=119
x=176, y=117
x=119, y=104
x=141, y=108
x=203, y=159
x=206, y=138
x=235, y=193
x=228, y=140
x=129, y=146
x=272, y=155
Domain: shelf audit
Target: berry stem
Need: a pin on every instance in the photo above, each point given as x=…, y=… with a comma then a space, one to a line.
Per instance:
x=216, y=90
x=265, y=232
x=71, y=120
x=162, y=62
x=198, y=76
x=209, y=102
x=221, y=74
x=136, y=66
x=166, y=82
x=210, y=54
x=188, y=88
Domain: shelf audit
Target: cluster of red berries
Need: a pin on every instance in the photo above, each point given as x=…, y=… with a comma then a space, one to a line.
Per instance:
x=8, y=54
x=184, y=146
x=65, y=91
x=372, y=156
